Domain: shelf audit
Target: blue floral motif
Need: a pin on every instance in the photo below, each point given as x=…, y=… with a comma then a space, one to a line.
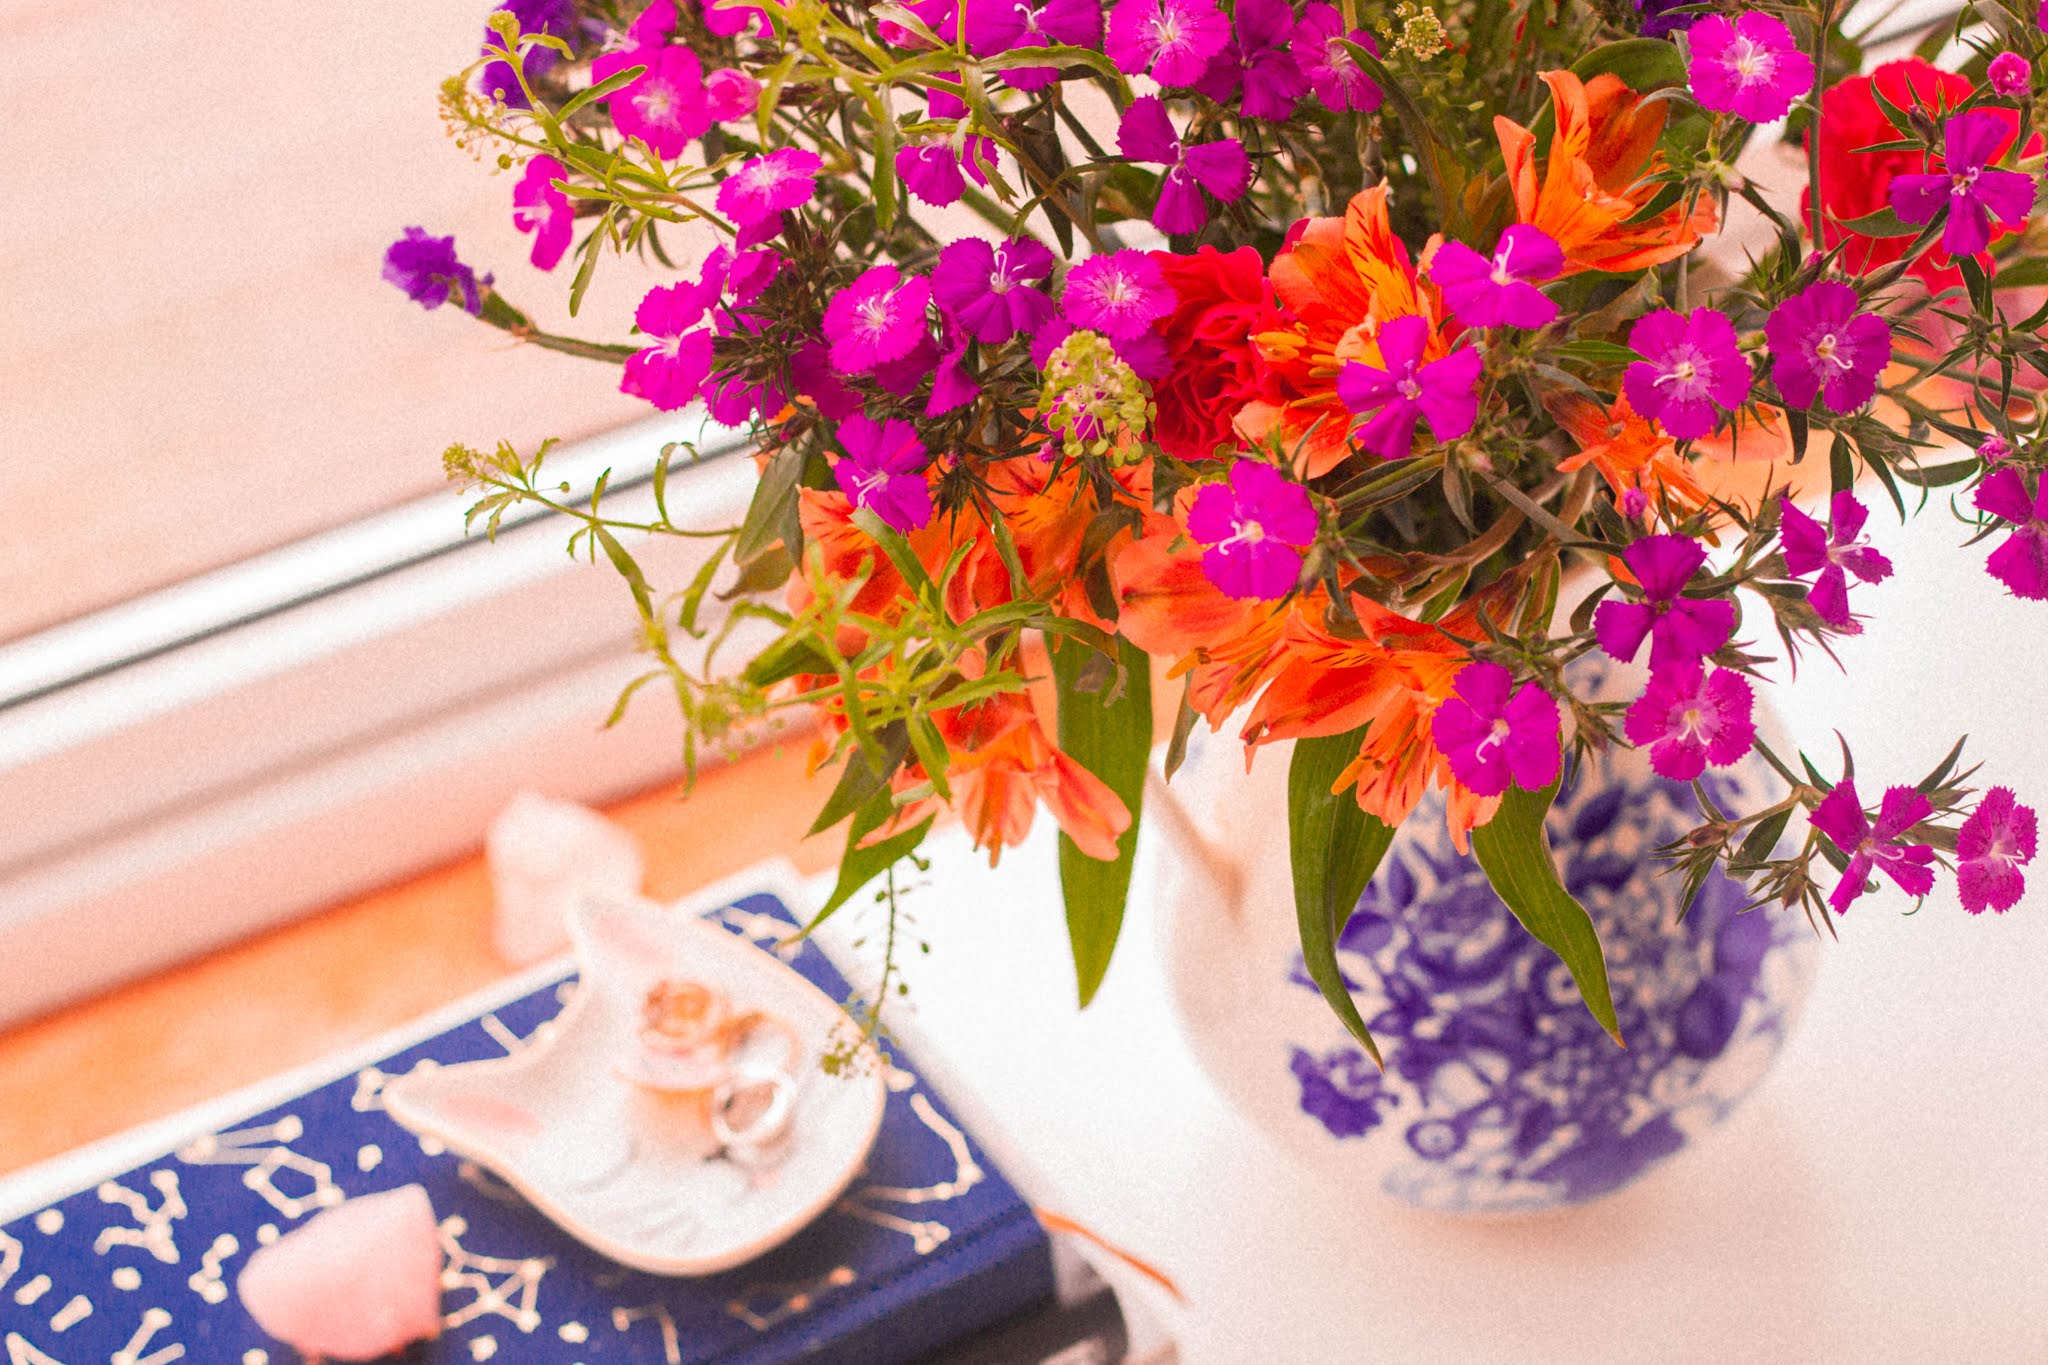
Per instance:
x=1500, y=1088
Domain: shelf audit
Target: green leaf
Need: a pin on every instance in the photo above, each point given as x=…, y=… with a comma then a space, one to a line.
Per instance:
x=1883, y=223
x=1334, y=848
x=610, y=85
x=1514, y=851
x=762, y=528
x=643, y=596
x=1597, y=353
x=1114, y=742
x=858, y=866
x=784, y=659
x=862, y=775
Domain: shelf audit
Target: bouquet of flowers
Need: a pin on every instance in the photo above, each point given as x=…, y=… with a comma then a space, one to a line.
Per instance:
x=1297, y=346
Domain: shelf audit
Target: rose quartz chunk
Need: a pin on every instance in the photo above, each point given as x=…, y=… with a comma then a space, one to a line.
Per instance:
x=544, y=854
x=358, y=1281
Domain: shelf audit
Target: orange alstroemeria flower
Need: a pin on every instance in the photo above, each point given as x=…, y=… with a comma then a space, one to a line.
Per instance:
x=1597, y=177
x=1628, y=449
x=1338, y=280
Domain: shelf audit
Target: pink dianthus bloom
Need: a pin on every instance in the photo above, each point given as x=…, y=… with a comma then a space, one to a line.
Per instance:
x=1119, y=295
x=933, y=171
x=541, y=209
x=1823, y=346
x=1835, y=553
x=1688, y=718
x=758, y=192
x=2010, y=75
x=1254, y=529
x=1493, y=738
x=997, y=26
x=1750, y=67
x=669, y=373
x=1332, y=72
x=730, y=95
x=665, y=106
x=2021, y=563
x=883, y=470
x=1172, y=41
x=1220, y=167
x=986, y=288
x=1402, y=390
x=727, y=17
x=1968, y=186
x=1500, y=292
x=1259, y=60
x=1692, y=367
x=878, y=318
x=1991, y=847
x=1840, y=816
x=1681, y=630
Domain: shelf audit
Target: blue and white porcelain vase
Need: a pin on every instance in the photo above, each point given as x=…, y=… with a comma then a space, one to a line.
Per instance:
x=1500, y=1092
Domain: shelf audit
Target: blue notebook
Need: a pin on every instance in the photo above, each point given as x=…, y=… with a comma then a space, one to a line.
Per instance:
x=928, y=1245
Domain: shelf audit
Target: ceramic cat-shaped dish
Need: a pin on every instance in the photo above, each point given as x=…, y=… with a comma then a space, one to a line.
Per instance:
x=624, y=1169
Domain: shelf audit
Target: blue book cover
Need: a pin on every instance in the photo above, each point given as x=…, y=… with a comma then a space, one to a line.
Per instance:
x=928, y=1245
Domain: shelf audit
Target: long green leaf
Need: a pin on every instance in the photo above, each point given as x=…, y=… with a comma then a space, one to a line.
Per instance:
x=1335, y=848
x=1114, y=742
x=1515, y=853
x=861, y=865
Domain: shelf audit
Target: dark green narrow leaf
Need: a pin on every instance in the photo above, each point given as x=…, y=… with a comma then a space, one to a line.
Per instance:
x=1516, y=855
x=1334, y=848
x=761, y=529
x=862, y=775
x=859, y=866
x=1115, y=743
x=1841, y=465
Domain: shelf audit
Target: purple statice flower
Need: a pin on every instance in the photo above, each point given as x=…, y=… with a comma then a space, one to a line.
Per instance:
x=665, y=107
x=1219, y=167
x=883, y=470
x=1689, y=717
x=995, y=26
x=986, y=288
x=730, y=95
x=1681, y=630
x=1840, y=816
x=535, y=16
x=1660, y=22
x=2021, y=563
x=427, y=270
x=1493, y=733
x=1402, y=390
x=877, y=318
x=1172, y=41
x=1258, y=60
x=1332, y=73
x=1501, y=292
x=541, y=209
x=1255, y=528
x=1995, y=449
x=1822, y=346
x=2010, y=75
x=1694, y=368
x=1997, y=839
x=1751, y=67
x=1971, y=189
x=1835, y=552
x=1119, y=295
x=757, y=193
x=933, y=170
x=671, y=371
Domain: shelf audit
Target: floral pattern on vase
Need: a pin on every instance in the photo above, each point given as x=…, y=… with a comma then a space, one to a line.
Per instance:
x=1501, y=1092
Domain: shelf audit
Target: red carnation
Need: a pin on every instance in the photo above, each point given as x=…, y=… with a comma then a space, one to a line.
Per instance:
x=1855, y=183
x=1223, y=300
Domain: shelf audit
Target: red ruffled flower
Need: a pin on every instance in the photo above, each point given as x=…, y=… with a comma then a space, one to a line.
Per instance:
x=1224, y=301
x=1855, y=183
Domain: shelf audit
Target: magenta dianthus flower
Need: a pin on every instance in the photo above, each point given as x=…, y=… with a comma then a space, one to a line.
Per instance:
x=1172, y=41
x=671, y=371
x=758, y=192
x=1991, y=847
x=1255, y=528
x=1693, y=368
x=1258, y=60
x=2021, y=563
x=1836, y=553
x=1401, y=390
x=883, y=470
x=1968, y=186
x=1751, y=67
x=1994, y=449
x=1689, y=718
x=953, y=385
x=812, y=376
x=1822, y=346
x=995, y=26
x=1681, y=630
x=1492, y=737
x=2010, y=75
x=730, y=95
x=1219, y=167
x=877, y=318
x=1500, y=292
x=1332, y=73
x=665, y=107
x=1840, y=816
x=541, y=209
x=1119, y=295
x=726, y=18
x=933, y=171
x=986, y=288
x=427, y=270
